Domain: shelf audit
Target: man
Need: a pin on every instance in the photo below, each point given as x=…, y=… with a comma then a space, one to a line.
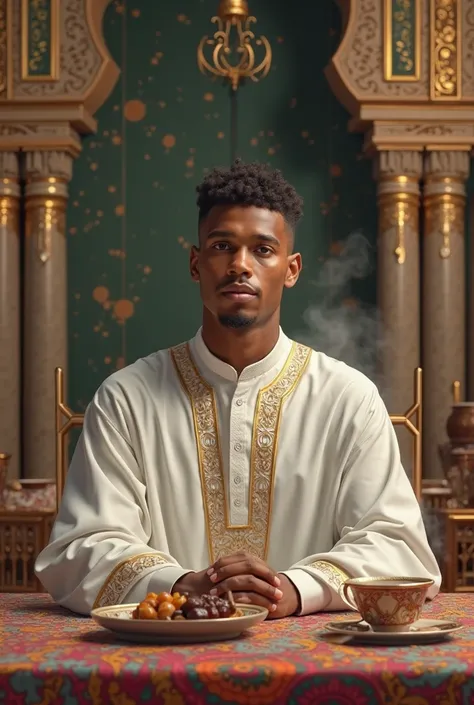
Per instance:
x=241, y=460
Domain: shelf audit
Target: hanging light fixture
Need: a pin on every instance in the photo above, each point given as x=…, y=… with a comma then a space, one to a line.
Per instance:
x=232, y=52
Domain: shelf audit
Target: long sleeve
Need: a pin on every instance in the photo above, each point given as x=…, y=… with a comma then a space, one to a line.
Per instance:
x=99, y=549
x=378, y=525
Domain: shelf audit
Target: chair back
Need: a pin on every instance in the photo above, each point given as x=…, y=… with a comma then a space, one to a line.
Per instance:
x=66, y=419
x=412, y=420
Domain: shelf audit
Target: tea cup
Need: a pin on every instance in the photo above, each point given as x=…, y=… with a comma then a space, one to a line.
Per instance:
x=387, y=604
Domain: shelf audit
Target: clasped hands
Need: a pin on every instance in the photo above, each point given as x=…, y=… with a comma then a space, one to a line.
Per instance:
x=251, y=581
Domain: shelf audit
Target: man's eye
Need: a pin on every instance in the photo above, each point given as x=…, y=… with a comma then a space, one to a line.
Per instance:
x=263, y=250
x=221, y=246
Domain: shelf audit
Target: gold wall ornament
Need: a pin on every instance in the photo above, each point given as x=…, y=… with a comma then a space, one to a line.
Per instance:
x=444, y=210
x=445, y=50
x=398, y=202
x=40, y=40
x=46, y=213
x=402, y=40
x=233, y=55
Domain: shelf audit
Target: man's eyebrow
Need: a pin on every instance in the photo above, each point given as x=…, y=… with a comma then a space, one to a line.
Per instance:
x=262, y=237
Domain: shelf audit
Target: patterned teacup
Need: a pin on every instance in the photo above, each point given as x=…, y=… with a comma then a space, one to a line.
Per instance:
x=388, y=604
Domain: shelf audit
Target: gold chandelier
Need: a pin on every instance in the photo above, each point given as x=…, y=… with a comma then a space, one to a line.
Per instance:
x=232, y=53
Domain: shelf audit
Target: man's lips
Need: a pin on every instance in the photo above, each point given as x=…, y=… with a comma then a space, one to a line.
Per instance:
x=241, y=292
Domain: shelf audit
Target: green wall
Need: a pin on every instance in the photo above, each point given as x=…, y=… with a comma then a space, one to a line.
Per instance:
x=132, y=208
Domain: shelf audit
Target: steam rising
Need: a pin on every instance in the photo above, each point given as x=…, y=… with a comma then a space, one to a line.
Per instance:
x=352, y=332
x=338, y=325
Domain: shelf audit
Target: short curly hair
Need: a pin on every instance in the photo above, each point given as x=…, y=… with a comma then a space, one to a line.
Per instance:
x=252, y=184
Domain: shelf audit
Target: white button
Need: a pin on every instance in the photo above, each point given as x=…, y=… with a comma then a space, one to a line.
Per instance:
x=237, y=480
x=237, y=502
x=237, y=447
x=239, y=402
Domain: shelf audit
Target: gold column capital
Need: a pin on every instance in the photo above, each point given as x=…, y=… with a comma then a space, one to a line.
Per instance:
x=9, y=181
x=447, y=163
x=404, y=162
x=42, y=165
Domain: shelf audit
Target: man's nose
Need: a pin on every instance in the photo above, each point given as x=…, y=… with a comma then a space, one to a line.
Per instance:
x=240, y=263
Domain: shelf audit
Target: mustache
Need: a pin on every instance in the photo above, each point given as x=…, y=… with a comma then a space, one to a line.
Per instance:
x=228, y=281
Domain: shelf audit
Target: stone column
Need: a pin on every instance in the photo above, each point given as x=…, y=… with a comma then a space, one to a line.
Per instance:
x=398, y=175
x=445, y=173
x=45, y=304
x=10, y=311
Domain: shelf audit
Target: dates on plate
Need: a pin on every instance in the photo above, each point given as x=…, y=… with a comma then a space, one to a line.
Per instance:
x=165, y=606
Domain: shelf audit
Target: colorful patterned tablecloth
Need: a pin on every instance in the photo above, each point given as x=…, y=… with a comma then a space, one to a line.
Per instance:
x=50, y=657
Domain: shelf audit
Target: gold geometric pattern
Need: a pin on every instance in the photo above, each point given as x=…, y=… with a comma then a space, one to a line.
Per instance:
x=333, y=575
x=224, y=538
x=124, y=576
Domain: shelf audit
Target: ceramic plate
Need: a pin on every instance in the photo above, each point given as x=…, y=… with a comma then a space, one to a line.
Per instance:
x=424, y=631
x=118, y=619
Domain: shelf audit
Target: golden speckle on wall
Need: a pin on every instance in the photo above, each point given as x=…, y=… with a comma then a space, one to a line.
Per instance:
x=100, y=214
x=134, y=110
x=147, y=269
x=155, y=60
x=100, y=294
x=209, y=97
x=304, y=134
x=105, y=333
x=183, y=18
x=107, y=360
x=120, y=209
x=254, y=141
x=120, y=254
x=123, y=309
x=220, y=135
x=77, y=295
x=335, y=170
x=190, y=162
x=116, y=139
x=162, y=104
x=72, y=231
x=147, y=157
x=94, y=166
x=135, y=13
x=120, y=363
x=112, y=189
x=168, y=141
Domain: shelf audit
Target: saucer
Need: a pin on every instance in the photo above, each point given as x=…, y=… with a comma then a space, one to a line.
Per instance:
x=424, y=631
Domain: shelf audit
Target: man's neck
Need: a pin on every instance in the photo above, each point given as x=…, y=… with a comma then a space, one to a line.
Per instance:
x=240, y=347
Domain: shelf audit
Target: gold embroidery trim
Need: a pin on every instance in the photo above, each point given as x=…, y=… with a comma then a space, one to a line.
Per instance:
x=124, y=576
x=224, y=538
x=333, y=575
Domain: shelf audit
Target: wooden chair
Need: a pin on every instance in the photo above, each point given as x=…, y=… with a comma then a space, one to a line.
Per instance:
x=66, y=419
x=412, y=421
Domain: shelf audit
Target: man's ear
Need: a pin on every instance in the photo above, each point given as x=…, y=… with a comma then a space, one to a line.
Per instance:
x=295, y=264
x=194, y=263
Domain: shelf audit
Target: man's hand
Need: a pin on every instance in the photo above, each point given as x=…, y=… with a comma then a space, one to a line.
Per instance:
x=193, y=583
x=252, y=581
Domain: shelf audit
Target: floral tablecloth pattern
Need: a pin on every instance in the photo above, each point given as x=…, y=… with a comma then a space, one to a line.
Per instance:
x=50, y=657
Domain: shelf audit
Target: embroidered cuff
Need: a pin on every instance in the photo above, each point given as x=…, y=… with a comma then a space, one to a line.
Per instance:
x=314, y=596
x=160, y=580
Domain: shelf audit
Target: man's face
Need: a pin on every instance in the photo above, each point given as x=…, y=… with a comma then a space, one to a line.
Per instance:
x=243, y=263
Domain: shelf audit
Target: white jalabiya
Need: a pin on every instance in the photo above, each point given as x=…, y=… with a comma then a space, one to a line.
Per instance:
x=182, y=461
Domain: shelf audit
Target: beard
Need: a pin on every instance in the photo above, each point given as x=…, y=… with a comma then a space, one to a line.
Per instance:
x=237, y=320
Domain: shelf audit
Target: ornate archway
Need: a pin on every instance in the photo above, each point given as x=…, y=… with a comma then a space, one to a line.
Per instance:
x=405, y=72
x=55, y=72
